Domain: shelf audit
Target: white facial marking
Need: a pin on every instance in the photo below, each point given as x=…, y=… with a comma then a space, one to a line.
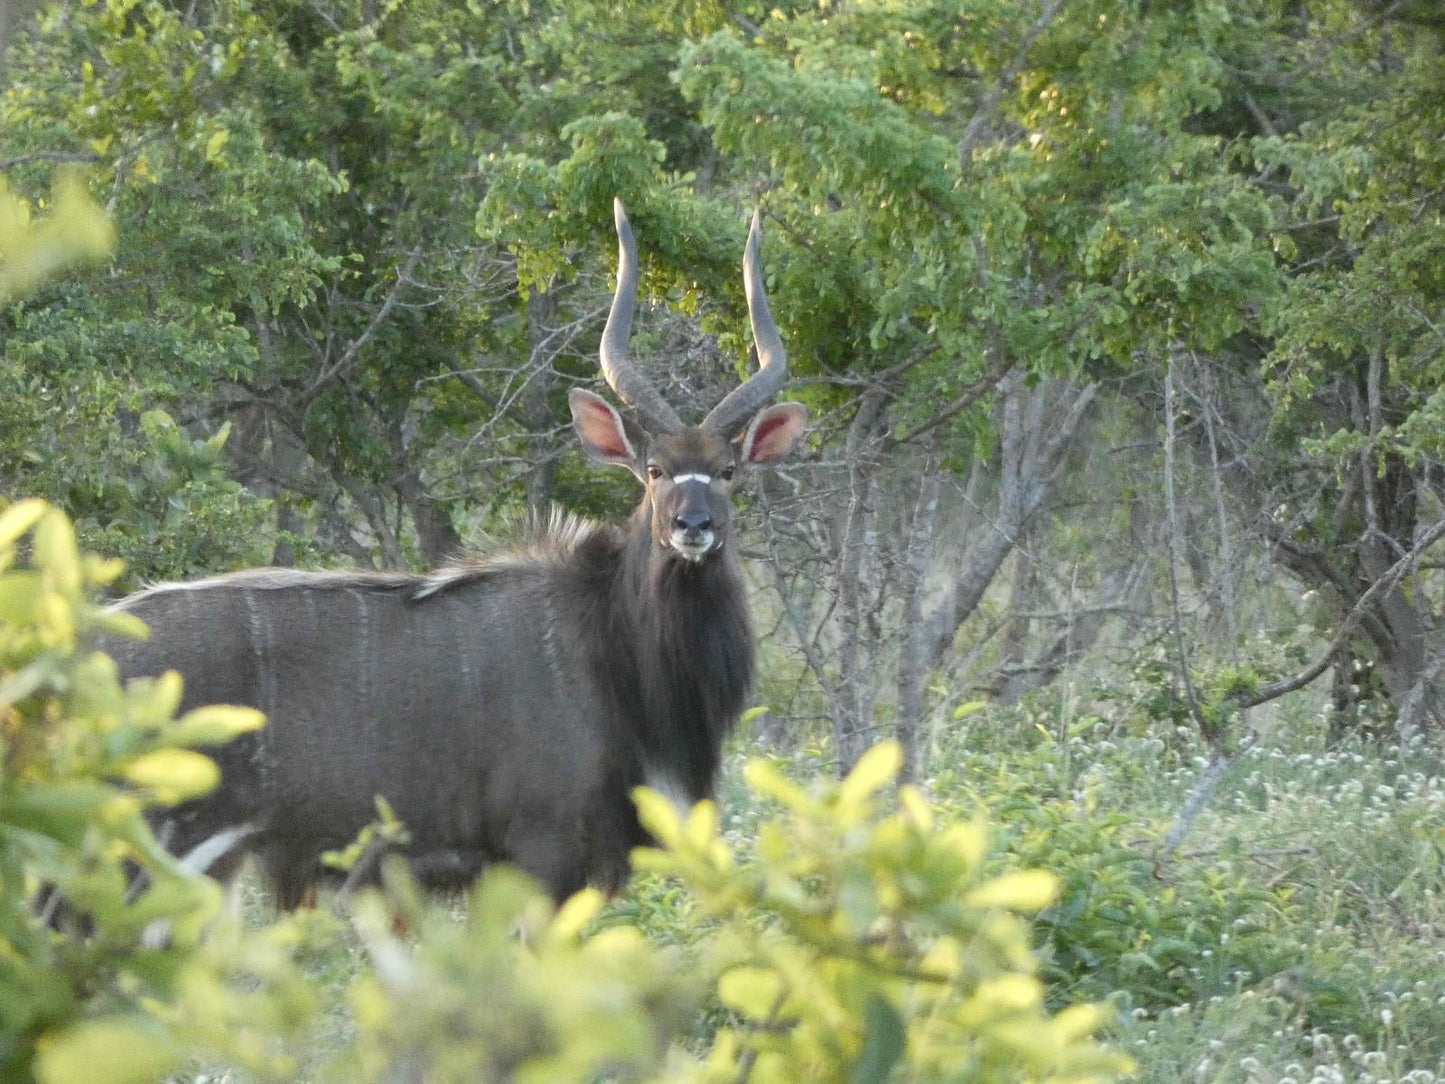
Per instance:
x=678, y=479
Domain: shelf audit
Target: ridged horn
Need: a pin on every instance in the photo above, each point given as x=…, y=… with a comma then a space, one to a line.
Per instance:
x=750, y=396
x=631, y=386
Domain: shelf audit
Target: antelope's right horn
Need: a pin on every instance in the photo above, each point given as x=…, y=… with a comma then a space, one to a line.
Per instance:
x=626, y=380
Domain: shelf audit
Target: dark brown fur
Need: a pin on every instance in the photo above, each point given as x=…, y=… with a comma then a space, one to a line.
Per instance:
x=662, y=646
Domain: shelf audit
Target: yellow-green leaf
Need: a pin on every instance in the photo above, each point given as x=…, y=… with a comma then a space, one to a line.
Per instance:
x=216, y=143
x=102, y=570
x=657, y=815
x=173, y=775
x=915, y=806
x=1078, y=1022
x=1022, y=890
x=153, y=701
x=57, y=553
x=574, y=915
x=768, y=782
x=873, y=770
x=216, y=723
x=19, y=518
x=701, y=824
x=120, y=623
x=32, y=251
x=752, y=991
x=19, y=593
x=111, y=1050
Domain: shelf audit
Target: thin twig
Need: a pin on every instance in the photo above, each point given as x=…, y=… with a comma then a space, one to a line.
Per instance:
x=48, y=156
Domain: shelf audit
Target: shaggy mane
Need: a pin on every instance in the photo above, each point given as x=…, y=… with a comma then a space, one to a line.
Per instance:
x=531, y=541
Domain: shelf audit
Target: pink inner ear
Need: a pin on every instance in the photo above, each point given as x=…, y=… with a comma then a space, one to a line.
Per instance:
x=773, y=434
x=767, y=428
x=600, y=429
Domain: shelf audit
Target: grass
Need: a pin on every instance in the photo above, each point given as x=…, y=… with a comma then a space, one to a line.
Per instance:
x=1340, y=853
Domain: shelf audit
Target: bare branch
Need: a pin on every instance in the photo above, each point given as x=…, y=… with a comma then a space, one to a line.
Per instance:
x=1199, y=795
x=990, y=102
x=1381, y=586
x=48, y=156
x=348, y=357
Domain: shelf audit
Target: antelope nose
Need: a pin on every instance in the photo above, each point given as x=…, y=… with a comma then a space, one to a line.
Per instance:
x=692, y=522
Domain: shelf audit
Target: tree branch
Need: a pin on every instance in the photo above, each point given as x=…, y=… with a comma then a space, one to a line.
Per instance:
x=990, y=102
x=48, y=156
x=354, y=348
x=1196, y=712
x=1381, y=586
x=970, y=395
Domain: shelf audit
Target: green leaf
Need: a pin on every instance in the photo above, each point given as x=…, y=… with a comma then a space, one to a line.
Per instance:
x=884, y=1038
x=215, y=724
x=753, y=991
x=19, y=518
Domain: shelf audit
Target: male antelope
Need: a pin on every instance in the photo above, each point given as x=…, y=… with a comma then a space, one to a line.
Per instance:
x=504, y=707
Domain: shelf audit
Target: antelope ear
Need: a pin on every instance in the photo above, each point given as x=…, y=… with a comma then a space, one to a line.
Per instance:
x=773, y=432
x=601, y=430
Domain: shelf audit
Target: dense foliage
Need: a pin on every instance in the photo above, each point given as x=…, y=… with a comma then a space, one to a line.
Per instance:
x=1121, y=326
x=369, y=243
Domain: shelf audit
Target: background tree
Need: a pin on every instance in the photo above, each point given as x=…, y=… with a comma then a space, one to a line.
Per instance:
x=368, y=255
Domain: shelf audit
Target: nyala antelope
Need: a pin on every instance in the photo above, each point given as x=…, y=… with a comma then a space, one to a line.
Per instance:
x=506, y=706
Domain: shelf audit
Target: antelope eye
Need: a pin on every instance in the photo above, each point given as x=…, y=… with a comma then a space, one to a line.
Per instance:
x=654, y=471
x=727, y=474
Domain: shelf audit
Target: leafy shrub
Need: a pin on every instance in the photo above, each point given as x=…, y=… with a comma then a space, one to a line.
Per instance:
x=886, y=947
x=1088, y=801
x=80, y=760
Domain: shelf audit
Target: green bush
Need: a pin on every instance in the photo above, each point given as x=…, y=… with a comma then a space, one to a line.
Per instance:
x=80, y=760
x=855, y=948
x=1090, y=801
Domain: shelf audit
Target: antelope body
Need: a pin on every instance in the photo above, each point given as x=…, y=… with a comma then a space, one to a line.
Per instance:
x=505, y=708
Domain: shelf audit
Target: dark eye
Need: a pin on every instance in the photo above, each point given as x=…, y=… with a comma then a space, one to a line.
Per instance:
x=727, y=474
x=654, y=471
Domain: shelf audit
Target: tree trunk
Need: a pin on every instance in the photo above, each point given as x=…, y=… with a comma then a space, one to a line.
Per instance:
x=536, y=405
x=850, y=729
